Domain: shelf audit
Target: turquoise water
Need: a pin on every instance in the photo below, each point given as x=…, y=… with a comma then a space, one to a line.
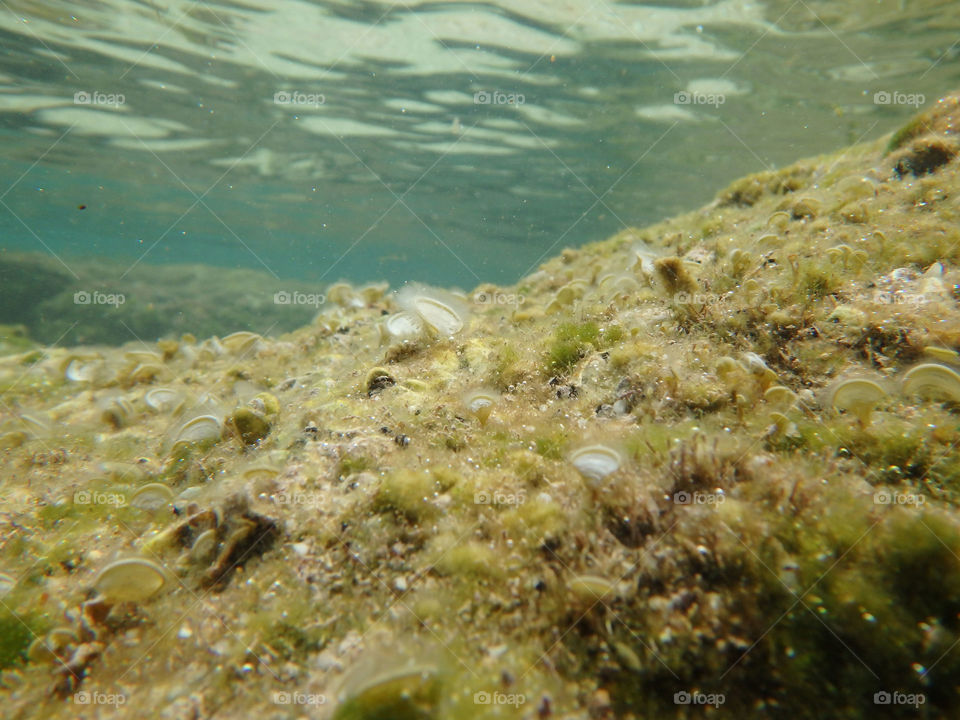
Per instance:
x=450, y=143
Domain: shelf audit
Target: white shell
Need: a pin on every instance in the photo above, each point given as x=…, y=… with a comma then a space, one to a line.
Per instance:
x=82, y=369
x=402, y=326
x=152, y=497
x=932, y=379
x=204, y=547
x=130, y=580
x=441, y=318
x=200, y=429
x=596, y=461
x=161, y=399
x=240, y=342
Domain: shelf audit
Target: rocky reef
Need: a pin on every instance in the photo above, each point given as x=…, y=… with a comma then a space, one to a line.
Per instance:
x=706, y=468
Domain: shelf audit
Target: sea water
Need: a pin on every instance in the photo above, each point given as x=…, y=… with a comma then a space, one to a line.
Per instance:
x=449, y=143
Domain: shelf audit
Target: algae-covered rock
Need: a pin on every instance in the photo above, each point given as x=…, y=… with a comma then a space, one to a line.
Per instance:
x=709, y=467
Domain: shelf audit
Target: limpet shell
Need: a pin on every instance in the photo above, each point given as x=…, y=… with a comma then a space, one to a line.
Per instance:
x=252, y=426
x=152, y=497
x=146, y=373
x=82, y=368
x=241, y=342
x=260, y=473
x=162, y=399
x=439, y=317
x=780, y=396
x=400, y=327
x=857, y=396
x=443, y=313
x=932, y=380
x=407, y=692
x=130, y=580
x=592, y=588
x=204, y=547
x=116, y=411
x=199, y=430
x=480, y=403
x=942, y=353
x=596, y=461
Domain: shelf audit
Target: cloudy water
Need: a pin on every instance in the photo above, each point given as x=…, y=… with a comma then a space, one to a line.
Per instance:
x=451, y=143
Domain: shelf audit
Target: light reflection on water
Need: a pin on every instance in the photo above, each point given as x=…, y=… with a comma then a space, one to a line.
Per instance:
x=446, y=142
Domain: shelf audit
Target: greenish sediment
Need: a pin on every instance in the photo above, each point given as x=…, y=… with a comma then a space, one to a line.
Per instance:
x=349, y=529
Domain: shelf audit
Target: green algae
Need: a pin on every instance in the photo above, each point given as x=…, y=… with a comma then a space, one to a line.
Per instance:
x=794, y=564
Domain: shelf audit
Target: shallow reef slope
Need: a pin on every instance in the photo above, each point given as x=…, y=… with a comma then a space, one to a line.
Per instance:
x=707, y=468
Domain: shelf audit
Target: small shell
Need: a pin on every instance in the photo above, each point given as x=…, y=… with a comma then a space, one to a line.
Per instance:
x=241, y=342
x=197, y=431
x=439, y=317
x=210, y=349
x=259, y=473
x=379, y=379
x=7, y=583
x=857, y=396
x=162, y=399
x=942, y=353
x=592, y=588
x=145, y=373
x=130, y=580
x=596, y=461
x=343, y=295
x=116, y=411
x=388, y=693
x=932, y=380
x=780, y=396
x=442, y=312
x=152, y=497
x=204, y=547
x=252, y=426
x=82, y=368
x=401, y=327
x=480, y=402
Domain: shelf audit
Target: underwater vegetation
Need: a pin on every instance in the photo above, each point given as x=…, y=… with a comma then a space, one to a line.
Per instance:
x=704, y=468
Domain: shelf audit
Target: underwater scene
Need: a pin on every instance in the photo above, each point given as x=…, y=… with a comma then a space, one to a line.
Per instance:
x=547, y=359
